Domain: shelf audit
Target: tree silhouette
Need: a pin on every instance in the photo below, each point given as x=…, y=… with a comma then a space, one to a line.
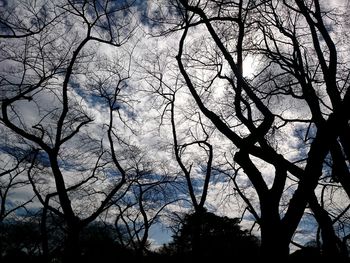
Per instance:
x=46, y=62
x=219, y=238
x=20, y=240
x=249, y=109
x=251, y=116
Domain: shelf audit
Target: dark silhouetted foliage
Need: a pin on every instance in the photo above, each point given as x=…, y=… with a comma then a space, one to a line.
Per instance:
x=19, y=241
x=306, y=254
x=217, y=237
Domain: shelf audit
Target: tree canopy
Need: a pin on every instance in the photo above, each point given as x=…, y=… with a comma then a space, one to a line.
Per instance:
x=218, y=238
x=134, y=113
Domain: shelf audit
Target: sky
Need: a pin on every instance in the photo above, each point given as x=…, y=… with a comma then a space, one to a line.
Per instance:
x=136, y=77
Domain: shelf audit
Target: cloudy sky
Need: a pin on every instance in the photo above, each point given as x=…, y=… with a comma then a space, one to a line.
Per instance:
x=122, y=84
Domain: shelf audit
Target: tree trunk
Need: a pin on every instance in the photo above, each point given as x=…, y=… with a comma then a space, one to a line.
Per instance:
x=72, y=249
x=196, y=247
x=44, y=237
x=197, y=225
x=274, y=246
x=274, y=241
x=330, y=242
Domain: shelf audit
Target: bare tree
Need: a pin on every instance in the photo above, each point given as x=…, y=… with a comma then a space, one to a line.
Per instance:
x=12, y=179
x=190, y=137
x=68, y=93
x=249, y=116
x=21, y=19
x=143, y=206
x=40, y=82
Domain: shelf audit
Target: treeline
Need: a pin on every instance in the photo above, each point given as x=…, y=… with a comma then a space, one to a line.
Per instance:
x=131, y=111
x=197, y=238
